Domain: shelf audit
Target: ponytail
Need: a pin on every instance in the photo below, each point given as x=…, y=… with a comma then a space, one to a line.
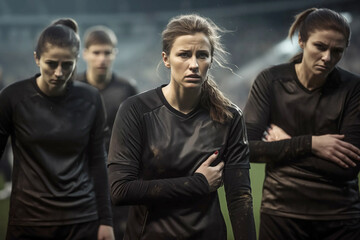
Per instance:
x=215, y=101
x=314, y=19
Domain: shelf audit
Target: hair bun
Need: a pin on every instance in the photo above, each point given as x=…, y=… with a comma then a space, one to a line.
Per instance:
x=69, y=22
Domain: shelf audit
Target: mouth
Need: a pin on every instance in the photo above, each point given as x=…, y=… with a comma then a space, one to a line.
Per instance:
x=322, y=67
x=57, y=81
x=193, y=77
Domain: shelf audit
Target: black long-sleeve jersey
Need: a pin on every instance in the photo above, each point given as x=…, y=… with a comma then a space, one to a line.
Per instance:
x=154, y=153
x=59, y=174
x=117, y=91
x=113, y=95
x=297, y=183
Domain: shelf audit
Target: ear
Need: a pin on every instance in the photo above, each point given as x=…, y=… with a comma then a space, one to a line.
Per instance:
x=84, y=53
x=37, y=60
x=165, y=59
x=301, y=43
x=115, y=51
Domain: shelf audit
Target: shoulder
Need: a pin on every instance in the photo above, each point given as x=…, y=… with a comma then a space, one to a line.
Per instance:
x=19, y=88
x=85, y=91
x=123, y=82
x=346, y=76
x=144, y=102
x=234, y=109
x=343, y=80
x=281, y=71
x=84, y=87
x=278, y=73
x=81, y=77
x=237, y=113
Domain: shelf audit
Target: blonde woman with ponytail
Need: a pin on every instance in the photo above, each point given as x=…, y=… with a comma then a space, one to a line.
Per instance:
x=172, y=147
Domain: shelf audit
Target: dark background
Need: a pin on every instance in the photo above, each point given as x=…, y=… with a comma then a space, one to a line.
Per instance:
x=256, y=39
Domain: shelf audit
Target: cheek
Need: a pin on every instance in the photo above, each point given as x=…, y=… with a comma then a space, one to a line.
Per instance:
x=46, y=71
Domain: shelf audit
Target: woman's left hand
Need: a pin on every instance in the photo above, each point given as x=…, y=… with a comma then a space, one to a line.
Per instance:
x=105, y=233
x=275, y=133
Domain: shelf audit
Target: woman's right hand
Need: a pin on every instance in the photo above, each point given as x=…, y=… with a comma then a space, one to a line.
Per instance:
x=332, y=148
x=212, y=174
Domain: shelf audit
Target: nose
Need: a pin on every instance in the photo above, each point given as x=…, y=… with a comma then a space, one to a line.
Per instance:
x=194, y=66
x=58, y=71
x=102, y=57
x=326, y=56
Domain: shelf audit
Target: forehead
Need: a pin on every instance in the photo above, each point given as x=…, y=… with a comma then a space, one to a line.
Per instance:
x=328, y=36
x=100, y=47
x=188, y=42
x=56, y=52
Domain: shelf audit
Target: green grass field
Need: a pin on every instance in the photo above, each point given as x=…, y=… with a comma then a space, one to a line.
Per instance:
x=256, y=175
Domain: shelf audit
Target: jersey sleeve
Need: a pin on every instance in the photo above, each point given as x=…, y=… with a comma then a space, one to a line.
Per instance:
x=237, y=180
x=124, y=165
x=257, y=117
x=5, y=119
x=97, y=164
x=350, y=125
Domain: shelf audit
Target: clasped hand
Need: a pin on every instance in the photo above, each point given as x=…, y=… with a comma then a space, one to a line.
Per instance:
x=330, y=147
x=212, y=174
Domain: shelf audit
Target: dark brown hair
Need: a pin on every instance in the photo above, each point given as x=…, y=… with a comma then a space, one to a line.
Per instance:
x=211, y=97
x=99, y=35
x=61, y=33
x=314, y=19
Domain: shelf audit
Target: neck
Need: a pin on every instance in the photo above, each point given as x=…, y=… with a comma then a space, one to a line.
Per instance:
x=98, y=81
x=55, y=92
x=183, y=100
x=307, y=79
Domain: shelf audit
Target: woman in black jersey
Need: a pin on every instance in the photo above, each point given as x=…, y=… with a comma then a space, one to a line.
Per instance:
x=171, y=147
x=310, y=111
x=57, y=131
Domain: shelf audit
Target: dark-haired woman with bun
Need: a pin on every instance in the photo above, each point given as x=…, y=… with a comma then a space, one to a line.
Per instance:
x=57, y=131
x=310, y=111
x=173, y=146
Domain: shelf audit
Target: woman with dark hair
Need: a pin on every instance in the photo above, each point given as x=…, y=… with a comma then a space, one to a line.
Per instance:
x=57, y=131
x=309, y=110
x=172, y=147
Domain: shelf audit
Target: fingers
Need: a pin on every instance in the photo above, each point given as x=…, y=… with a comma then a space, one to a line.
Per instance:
x=342, y=160
x=338, y=136
x=220, y=166
x=348, y=153
x=210, y=159
x=351, y=150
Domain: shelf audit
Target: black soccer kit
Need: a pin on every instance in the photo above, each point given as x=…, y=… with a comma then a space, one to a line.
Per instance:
x=154, y=153
x=113, y=95
x=297, y=183
x=59, y=174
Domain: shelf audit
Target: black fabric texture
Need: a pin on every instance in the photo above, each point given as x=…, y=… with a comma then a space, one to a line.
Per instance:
x=154, y=153
x=59, y=174
x=297, y=183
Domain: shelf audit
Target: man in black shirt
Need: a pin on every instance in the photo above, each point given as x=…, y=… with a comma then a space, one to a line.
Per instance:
x=100, y=52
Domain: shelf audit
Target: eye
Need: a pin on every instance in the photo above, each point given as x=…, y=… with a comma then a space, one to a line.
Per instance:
x=320, y=46
x=338, y=51
x=52, y=64
x=184, y=54
x=107, y=53
x=67, y=65
x=203, y=55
